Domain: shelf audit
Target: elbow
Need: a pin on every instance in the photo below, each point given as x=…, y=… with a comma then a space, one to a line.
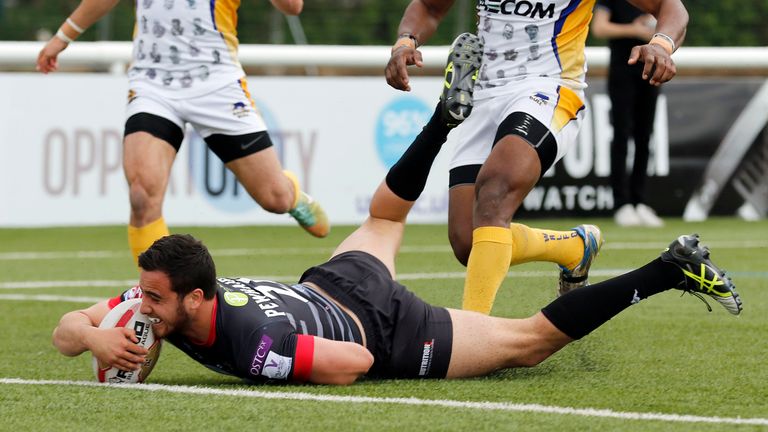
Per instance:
x=360, y=366
x=60, y=344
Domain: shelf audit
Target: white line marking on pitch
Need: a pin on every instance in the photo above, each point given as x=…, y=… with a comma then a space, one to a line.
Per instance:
x=104, y=254
x=491, y=406
x=401, y=277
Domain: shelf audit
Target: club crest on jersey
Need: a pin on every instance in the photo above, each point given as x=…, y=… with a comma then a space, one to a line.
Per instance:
x=522, y=8
x=240, y=109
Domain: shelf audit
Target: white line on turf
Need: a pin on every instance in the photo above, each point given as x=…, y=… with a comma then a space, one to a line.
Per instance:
x=289, y=278
x=51, y=298
x=443, y=403
x=649, y=245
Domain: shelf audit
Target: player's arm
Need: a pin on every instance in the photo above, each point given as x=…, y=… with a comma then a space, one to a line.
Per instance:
x=288, y=7
x=78, y=332
x=86, y=14
x=340, y=363
x=656, y=55
x=602, y=27
x=419, y=22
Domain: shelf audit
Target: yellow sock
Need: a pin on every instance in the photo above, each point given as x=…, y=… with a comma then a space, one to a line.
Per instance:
x=296, y=189
x=532, y=244
x=487, y=267
x=141, y=238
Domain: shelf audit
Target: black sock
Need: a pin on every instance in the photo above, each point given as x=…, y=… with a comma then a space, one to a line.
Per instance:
x=582, y=310
x=408, y=176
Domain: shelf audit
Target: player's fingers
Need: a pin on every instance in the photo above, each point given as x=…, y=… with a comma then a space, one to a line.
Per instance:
x=418, y=60
x=136, y=349
x=401, y=76
x=396, y=72
x=130, y=335
x=649, y=64
x=634, y=56
x=665, y=70
x=127, y=365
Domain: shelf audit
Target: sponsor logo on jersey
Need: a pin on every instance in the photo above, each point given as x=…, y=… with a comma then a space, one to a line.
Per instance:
x=257, y=365
x=426, y=357
x=522, y=8
x=235, y=298
x=540, y=98
x=277, y=366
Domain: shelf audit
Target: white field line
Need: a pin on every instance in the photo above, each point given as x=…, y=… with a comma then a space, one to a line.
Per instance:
x=51, y=298
x=289, y=278
x=443, y=403
x=649, y=245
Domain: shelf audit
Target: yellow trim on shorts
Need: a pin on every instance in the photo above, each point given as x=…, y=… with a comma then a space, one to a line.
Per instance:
x=244, y=86
x=568, y=105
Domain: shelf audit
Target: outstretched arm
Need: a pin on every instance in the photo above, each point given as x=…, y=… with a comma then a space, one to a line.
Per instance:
x=78, y=332
x=419, y=22
x=288, y=7
x=670, y=32
x=86, y=14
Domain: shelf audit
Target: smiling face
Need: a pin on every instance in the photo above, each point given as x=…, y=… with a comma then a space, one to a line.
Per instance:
x=162, y=304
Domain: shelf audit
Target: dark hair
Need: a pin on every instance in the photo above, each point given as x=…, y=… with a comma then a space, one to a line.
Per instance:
x=185, y=260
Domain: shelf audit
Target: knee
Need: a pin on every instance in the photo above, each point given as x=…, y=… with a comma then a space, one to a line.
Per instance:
x=142, y=199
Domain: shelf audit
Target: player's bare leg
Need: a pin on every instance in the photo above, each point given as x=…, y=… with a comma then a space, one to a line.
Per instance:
x=483, y=344
x=382, y=232
x=147, y=162
x=278, y=191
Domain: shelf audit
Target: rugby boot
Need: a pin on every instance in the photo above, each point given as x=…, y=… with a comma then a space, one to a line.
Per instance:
x=701, y=275
x=308, y=212
x=460, y=75
x=576, y=277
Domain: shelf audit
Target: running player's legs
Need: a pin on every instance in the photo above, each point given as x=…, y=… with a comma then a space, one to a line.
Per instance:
x=531, y=130
x=232, y=127
x=153, y=134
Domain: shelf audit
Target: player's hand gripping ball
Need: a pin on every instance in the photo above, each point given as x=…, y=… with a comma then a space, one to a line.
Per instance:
x=127, y=314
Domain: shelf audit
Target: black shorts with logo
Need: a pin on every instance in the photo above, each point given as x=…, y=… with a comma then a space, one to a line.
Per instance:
x=407, y=337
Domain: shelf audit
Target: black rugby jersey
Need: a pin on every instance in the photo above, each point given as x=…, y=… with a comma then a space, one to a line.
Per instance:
x=260, y=329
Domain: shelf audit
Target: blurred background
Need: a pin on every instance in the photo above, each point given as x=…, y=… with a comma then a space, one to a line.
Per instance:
x=366, y=22
x=337, y=124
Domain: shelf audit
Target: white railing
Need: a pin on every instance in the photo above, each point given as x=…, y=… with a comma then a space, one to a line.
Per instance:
x=114, y=56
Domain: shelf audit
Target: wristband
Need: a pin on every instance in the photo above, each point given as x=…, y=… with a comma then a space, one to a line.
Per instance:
x=664, y=41
x=76, y=27
x=61, y=35
x=406, y=39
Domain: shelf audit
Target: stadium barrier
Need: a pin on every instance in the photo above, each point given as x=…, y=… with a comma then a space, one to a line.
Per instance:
x=60, y=136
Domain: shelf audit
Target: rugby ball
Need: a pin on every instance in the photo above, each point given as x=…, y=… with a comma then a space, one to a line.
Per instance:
x=127, y=314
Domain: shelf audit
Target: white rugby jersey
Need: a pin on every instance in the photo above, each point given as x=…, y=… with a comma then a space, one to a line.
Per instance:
x=530, y=38
x=185, y=48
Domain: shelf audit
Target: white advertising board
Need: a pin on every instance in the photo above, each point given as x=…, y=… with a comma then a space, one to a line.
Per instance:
x=60, y=141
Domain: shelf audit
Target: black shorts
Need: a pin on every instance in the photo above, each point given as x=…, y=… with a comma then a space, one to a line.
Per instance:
x=226, y=147
x=407, y=337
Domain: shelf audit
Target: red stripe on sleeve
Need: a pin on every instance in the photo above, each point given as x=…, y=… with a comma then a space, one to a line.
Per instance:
x=305, y=352
x=114, y=301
